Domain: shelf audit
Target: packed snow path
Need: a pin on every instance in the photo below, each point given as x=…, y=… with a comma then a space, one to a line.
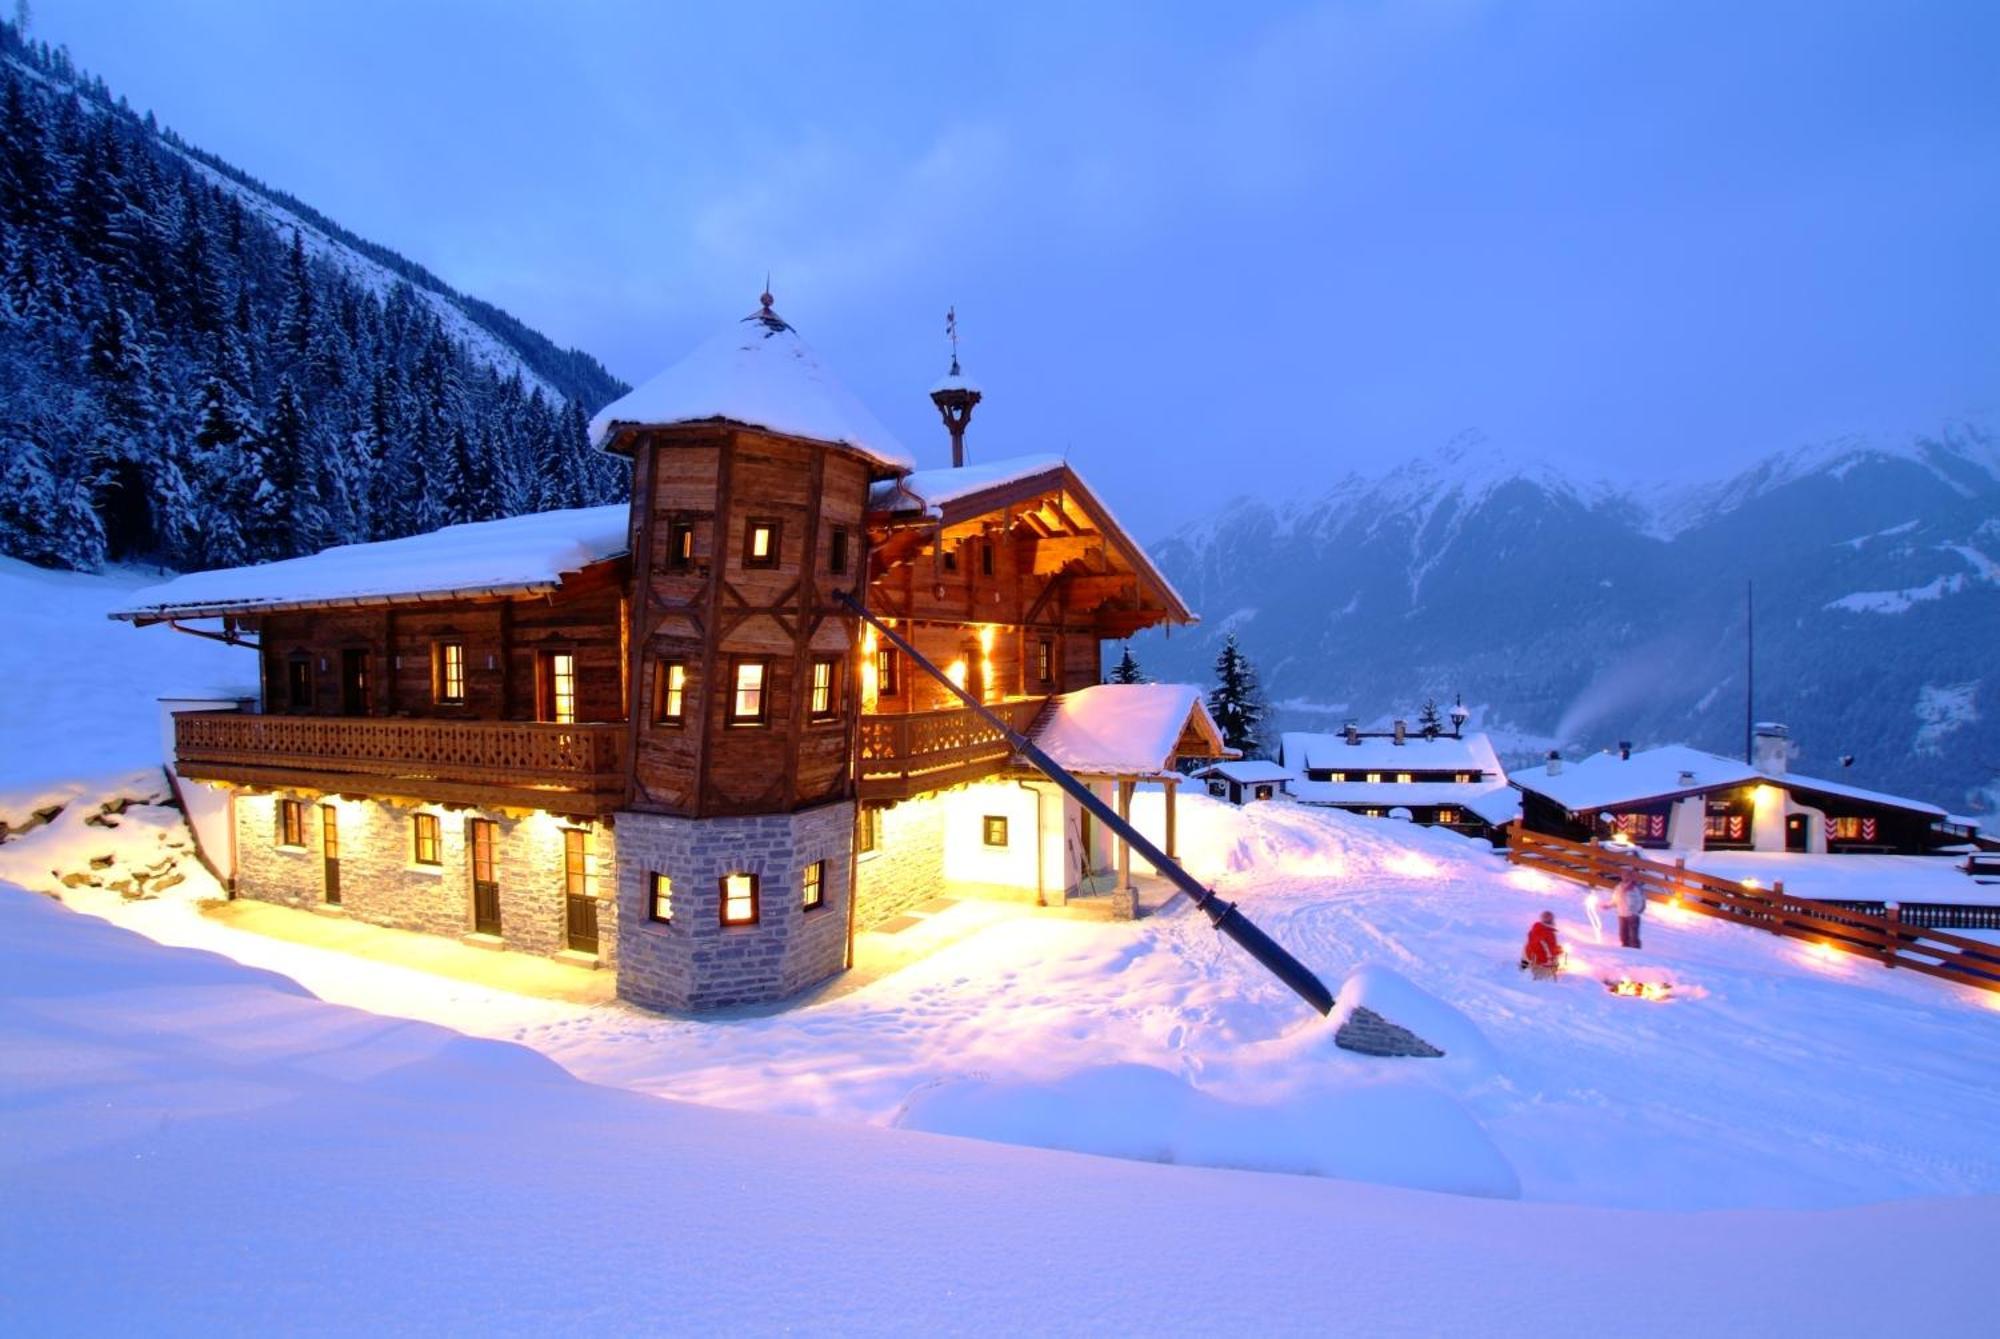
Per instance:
x=189, y=1146
x=1775, y=1078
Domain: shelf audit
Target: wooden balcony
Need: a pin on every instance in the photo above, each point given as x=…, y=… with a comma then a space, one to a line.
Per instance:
x=571, y=769
x=906, y=754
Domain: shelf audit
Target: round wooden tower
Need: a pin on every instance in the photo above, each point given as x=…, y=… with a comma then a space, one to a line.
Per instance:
x=750, y=477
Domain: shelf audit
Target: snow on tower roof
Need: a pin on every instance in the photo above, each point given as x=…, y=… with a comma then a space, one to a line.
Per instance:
x=519, y=555
x=1126, y=729
x=758, y=373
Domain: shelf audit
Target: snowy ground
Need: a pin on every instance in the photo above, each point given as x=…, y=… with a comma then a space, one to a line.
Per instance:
x=188, y=1146
x=1850, y=878
x=146, y=1089
x=83, y=690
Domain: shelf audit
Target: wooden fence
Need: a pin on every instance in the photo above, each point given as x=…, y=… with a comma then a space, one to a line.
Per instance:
x=1889, y=936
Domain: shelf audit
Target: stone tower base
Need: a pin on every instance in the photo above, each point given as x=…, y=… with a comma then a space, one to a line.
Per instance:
x=691, y=960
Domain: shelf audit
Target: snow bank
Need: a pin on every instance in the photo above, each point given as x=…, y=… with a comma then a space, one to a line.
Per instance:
x=761, y=374
x=121, y=833
x=1388, y=1133
x=1397, y=999
x=192, y=1147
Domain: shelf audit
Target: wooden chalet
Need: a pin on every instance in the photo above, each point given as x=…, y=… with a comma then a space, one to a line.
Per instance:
x=1676, y=798
x=652, y=736
x=1442, y=779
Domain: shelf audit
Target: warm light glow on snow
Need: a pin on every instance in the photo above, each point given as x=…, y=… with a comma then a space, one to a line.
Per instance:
x=1411, y=865
x=1824, y=956
x=1531, y=881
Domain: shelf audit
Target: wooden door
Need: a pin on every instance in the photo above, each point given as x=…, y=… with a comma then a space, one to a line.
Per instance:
x=580, y=905
x=485, y=883
x=354, y=682
x=329, y=845
x=1795, y=833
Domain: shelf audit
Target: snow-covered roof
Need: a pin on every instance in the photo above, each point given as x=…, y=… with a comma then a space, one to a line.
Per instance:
x=1857, y=793
x=1247, y=771
x=1607, y=778
x=930, y=491
x=1501, y=804
x=1124, y=729
x=519, y=555
x=758, y=373
x=1374, y=753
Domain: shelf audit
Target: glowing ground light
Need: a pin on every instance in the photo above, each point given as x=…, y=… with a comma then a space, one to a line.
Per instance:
x=1640, y=990
x=1821, y=954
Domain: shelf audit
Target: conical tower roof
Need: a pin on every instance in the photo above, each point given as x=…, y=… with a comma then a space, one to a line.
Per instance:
x=758, y=373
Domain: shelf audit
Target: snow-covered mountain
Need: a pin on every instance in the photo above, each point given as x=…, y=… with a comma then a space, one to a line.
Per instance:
x=1579, y=613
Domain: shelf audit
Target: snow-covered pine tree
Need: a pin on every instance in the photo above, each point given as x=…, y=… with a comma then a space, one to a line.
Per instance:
x=1127, y=669
x=1237, y=701
x=1430, y=720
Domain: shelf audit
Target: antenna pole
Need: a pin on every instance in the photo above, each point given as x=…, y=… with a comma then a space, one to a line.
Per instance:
x=1749, y=672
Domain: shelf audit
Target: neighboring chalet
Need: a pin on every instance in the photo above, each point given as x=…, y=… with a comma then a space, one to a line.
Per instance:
x=651, y=737
x=1245, y=780
x=1450, y=780
x=1676, y=798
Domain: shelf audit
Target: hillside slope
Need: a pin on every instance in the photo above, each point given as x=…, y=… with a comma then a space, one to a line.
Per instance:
x=1577, y=615
x=199, y=370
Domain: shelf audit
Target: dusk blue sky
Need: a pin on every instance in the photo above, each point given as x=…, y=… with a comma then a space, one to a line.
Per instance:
x=1206, y=249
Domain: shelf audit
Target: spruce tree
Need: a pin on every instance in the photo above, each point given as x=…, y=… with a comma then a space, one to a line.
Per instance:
x=1236, y=701
x=1127, y=669
x=1430, y=720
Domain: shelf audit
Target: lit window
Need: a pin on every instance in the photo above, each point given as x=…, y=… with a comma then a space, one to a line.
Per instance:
x=1463, y=778
x=886, y=667
x=1447, y=815
x=670, y=692
x=870, y=834
x=448, y=671
x=558, y=687
x=424, y=835
x=1403, y=778
x=995, y=830
x=291, y=823
x=739, y=899
x=661, y=907
x=680, y=545
x=823, y=681
x=760, y=544
x=750, y=696
x=837, y=551
x=1845, y=829
x=812, y=885
x=578, y=876
x=1374, y=778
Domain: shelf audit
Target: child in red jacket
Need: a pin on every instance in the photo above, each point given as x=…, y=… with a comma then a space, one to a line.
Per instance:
x=1543, y=955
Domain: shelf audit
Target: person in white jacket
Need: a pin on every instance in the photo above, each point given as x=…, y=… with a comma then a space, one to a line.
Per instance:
x=1628, y=899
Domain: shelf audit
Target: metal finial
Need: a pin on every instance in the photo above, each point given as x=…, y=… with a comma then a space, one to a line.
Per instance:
x=765, y=297
x=951, y=333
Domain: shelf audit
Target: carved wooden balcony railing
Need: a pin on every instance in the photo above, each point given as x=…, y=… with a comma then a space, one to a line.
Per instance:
x=908, y=753
x=568, y=768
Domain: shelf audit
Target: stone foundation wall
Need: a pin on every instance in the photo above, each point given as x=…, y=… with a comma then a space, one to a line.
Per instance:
x=907, y=866
x=381, y=883
x=694, y=961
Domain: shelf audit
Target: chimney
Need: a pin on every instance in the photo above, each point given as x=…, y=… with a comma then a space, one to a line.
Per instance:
x=1625, y=750
x=1399, y=731
x=1353, y=733
x=1555, y=763
x=1687, y=778
x=955, y=396
x=1770, y=748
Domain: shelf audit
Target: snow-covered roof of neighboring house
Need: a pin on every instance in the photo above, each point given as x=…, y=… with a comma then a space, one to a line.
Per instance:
x=758, y=373
x=1374, y=753
x=1606, y=779
x=1248, y=772
x=949, y=495
x=523, y=555
x=1649, y=774
x=1501, y=804
x=1126, y=729
x=1846, y=791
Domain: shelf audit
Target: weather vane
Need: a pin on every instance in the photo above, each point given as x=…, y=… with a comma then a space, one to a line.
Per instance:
x=951, y=333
